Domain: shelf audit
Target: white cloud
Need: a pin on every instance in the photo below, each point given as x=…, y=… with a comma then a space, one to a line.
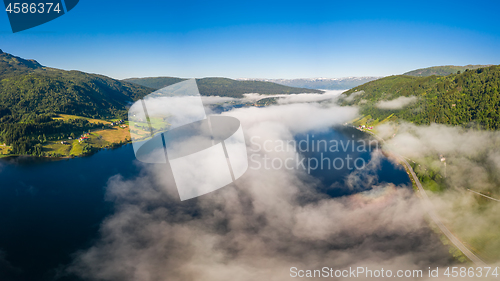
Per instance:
x=296, y=98
x=471, y=162
x=208, y=100
x=397, y=103
x=353, y=95
x=267, y=222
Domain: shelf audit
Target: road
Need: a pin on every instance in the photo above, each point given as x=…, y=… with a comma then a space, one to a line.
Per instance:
x=432, y=214
x=484, y=195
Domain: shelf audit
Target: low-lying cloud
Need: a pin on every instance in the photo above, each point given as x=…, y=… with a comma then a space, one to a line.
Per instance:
x=397, y=103
x=297, y=98
x=351, y=97
x=462, y=160
x=262, y=225
x=281, y=99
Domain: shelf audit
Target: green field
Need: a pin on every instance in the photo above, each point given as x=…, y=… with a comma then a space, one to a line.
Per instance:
x=470, y=217
x=66, y=117
x=142, y=129
x=369, y=121
x=76, y=149
x=56, y=148
x=111, y=136
x=4, y=150
x=482, y=235
x=99, y=139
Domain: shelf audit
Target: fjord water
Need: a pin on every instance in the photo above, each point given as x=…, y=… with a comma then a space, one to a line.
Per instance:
x=51, y=209
x=353, y=144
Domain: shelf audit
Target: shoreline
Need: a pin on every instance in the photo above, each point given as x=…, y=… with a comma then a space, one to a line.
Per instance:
x=54, y=158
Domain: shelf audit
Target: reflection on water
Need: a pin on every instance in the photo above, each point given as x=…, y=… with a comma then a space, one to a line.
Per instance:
x=50, y=209
x=348, y=149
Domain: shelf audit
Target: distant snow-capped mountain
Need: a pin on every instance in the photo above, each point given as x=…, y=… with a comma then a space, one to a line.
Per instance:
x=320, y=83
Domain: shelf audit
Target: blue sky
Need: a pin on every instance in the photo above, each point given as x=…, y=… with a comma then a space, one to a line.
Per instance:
x=261, y=39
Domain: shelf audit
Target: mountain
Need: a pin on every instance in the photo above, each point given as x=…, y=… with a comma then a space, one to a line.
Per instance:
x=469, y=99
x=32, y=96
x=28, y=89
x=234, y=88
x=12, y=66
x=321, y=83
x=224, y=86
x=155, y=82
x=442, y=70
x=40, y=106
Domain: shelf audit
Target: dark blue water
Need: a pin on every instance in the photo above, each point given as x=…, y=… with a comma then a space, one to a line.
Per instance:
x=51, y=209
x=219, y=108
x=352, y=154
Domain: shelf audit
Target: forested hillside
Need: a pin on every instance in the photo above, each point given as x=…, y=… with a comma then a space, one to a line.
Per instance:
x=27, y=89
x=31, y=95
x=155, y=82
x=471, y=98
x=443, y=70
x=232, y=88
x=322, y=83
x=224, y=87
x=11, y=66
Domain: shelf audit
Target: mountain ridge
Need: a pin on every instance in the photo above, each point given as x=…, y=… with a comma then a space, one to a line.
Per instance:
x=12, y=65
x=221, y=86
x=468, y=99
x=321, y=83
x=443, y=70
x=28, y=89
x=41, y=106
